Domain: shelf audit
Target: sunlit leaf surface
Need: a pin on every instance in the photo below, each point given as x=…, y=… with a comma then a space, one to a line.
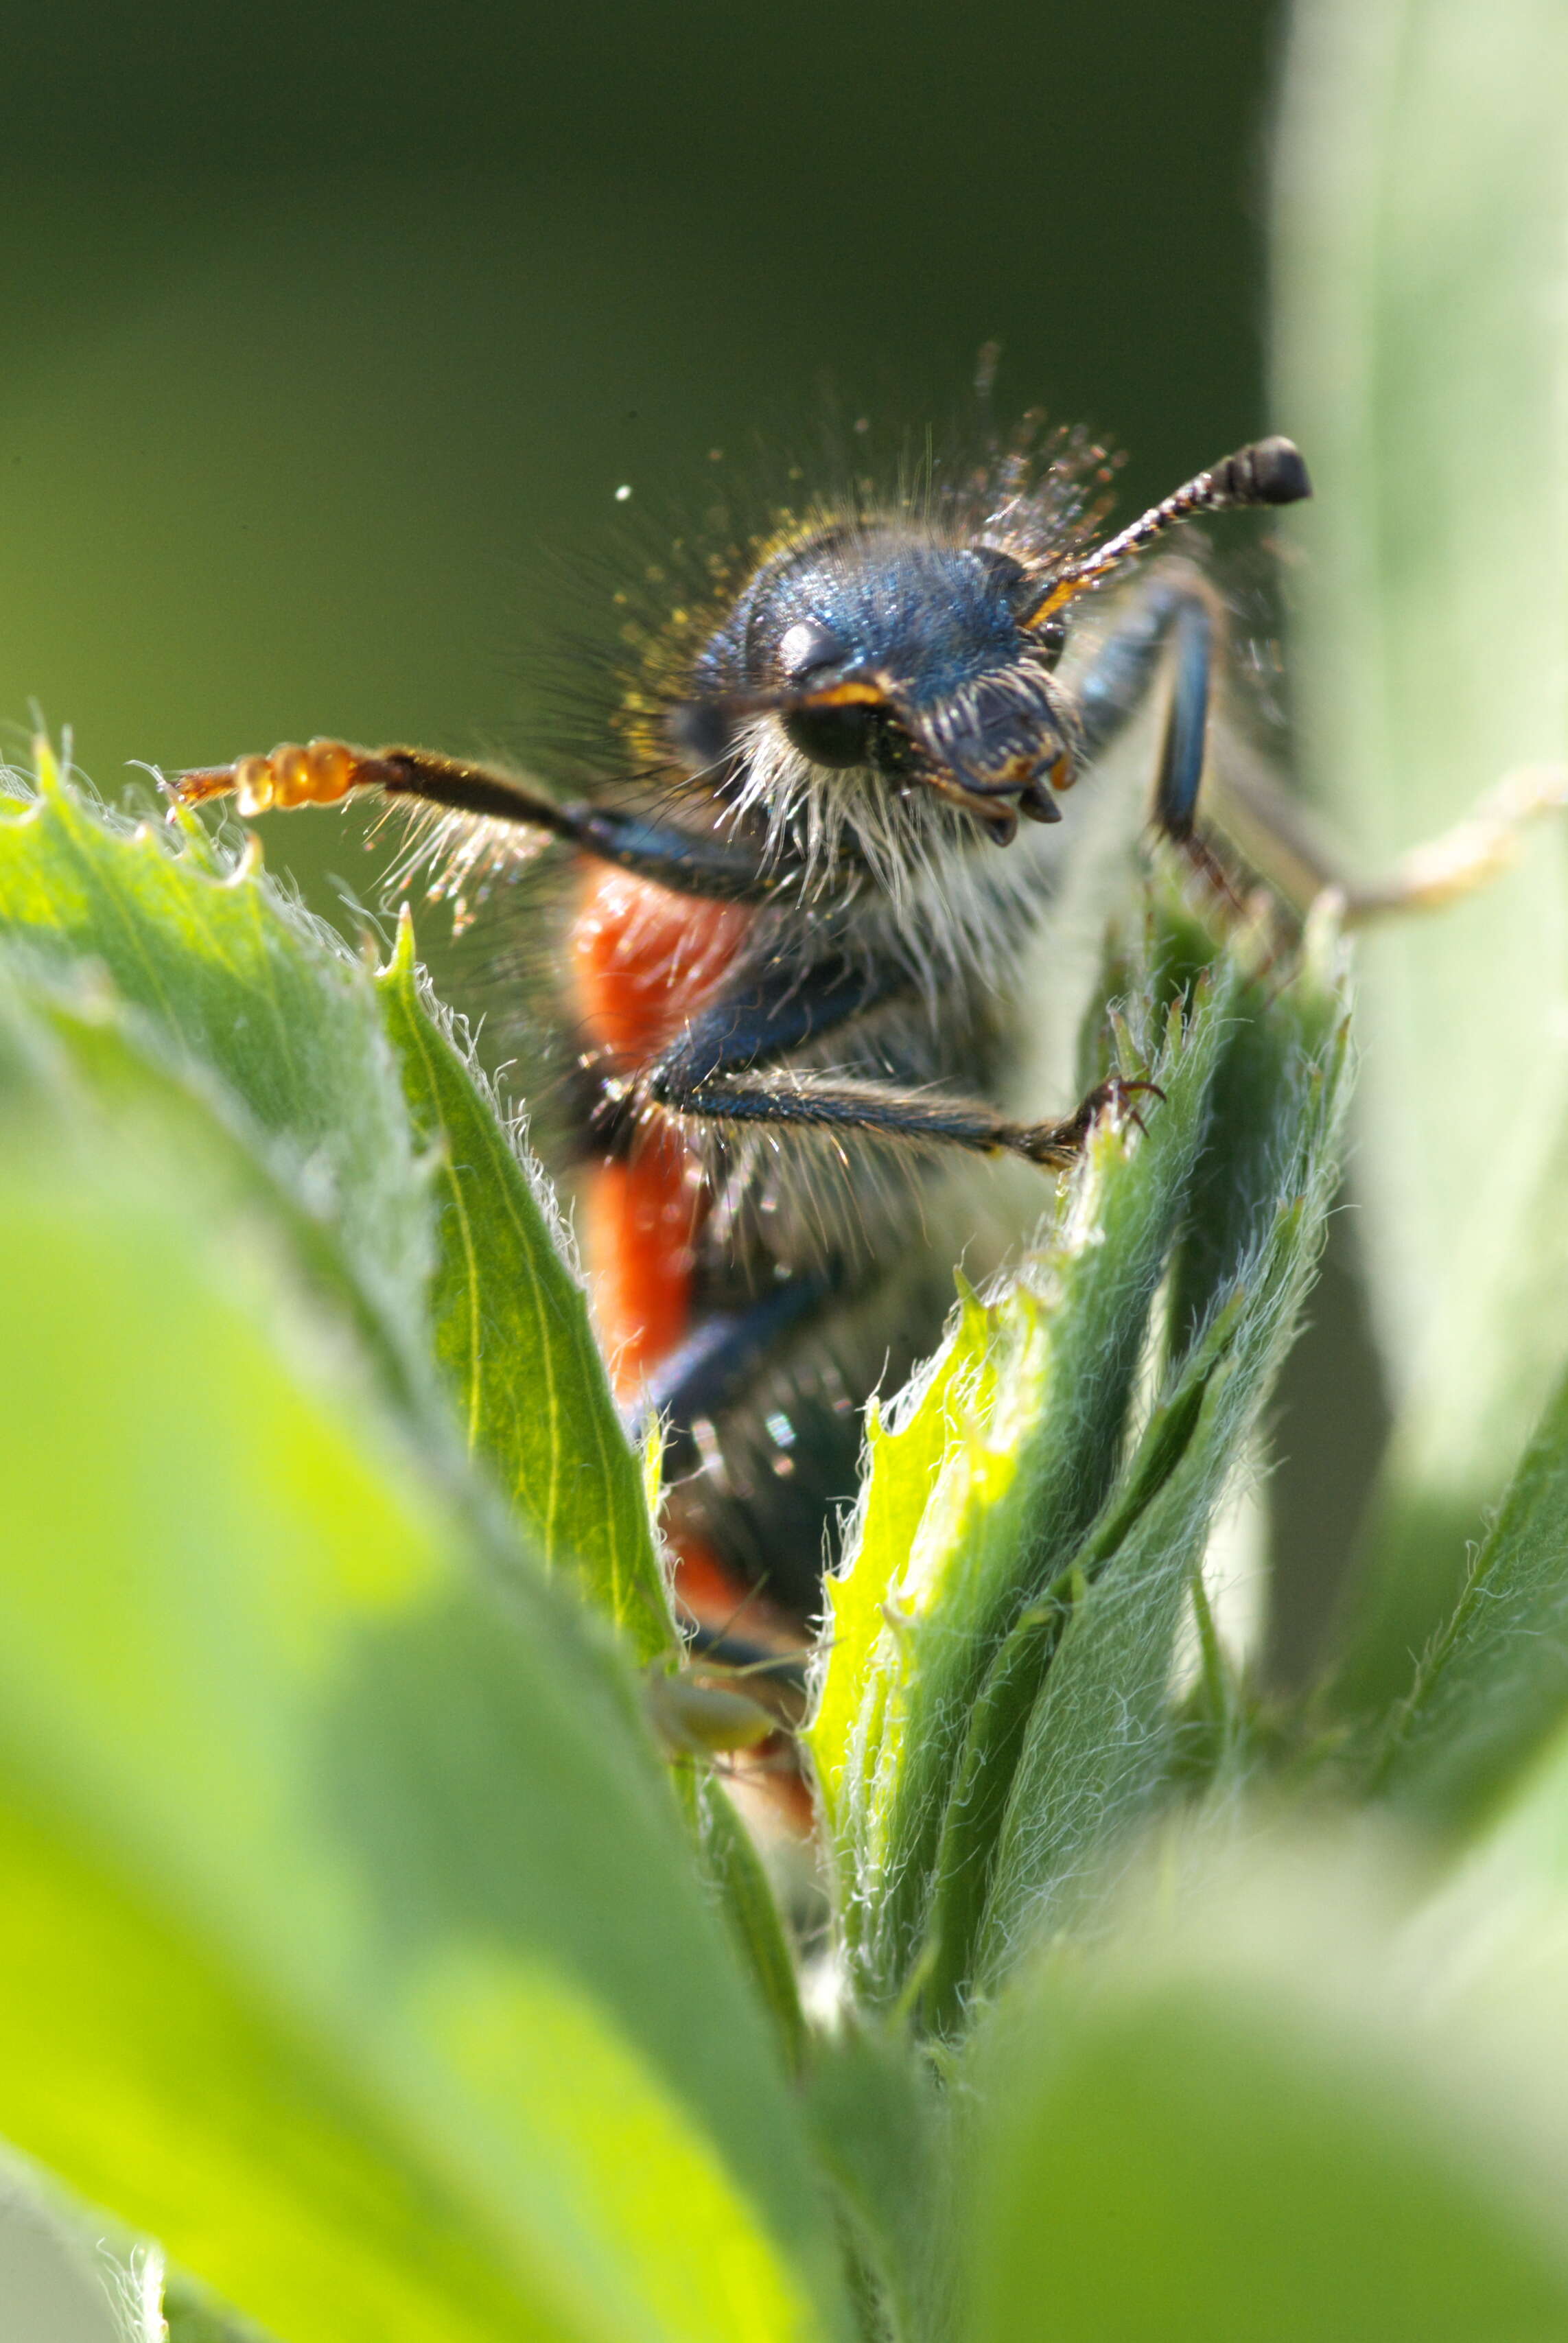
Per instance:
x=252, y=991
x=353, y=1947
x=360, y=1110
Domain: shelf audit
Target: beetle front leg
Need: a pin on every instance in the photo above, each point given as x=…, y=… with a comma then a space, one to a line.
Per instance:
x=324, y=772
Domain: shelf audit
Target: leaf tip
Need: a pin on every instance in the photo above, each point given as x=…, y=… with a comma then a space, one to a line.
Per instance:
x=248, y=866
x=400, y=969
x=47, y=769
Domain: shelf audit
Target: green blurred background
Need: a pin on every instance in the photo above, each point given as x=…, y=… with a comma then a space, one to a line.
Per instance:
x=330, y=331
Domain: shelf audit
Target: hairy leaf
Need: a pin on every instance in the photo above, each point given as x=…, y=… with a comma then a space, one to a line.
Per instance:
x=1003, y=1705
x=350, y=1097
x=1029, y=1403
x=242, y=983
x=880, y=2126
x=1098, y=1738
x=903, y=1458
x=512, y=1333
x=744, y=1895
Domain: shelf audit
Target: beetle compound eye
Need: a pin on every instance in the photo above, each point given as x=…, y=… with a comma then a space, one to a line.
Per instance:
x=806, y=648
x=831, y=736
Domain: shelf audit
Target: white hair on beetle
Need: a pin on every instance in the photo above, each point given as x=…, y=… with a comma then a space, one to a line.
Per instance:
x=952, y=903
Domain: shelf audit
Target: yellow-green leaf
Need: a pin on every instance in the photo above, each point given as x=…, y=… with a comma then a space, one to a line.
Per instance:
x=354, y=1946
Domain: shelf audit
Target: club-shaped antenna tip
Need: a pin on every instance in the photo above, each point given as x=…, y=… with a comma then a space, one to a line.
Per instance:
x=1278, y=475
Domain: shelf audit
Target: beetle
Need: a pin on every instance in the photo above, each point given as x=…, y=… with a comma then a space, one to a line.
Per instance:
x=797, y=971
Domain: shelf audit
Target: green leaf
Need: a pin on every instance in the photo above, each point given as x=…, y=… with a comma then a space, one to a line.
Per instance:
x=353, y=1945
x=1003, y=1728
x=1099, y=1737
x=1029, y=1402
x=1493, y=1689
x=744, y=1895
x=1210, y=2159
x=1287, y=2092
x=996, y=1696
x=242, y=988
x=242, y=983
x=977, y=1805
x=192, y=2316
x=77, y=1063
x=903, y=1458
x=1420, y=187
x=1279, y=1095
x=882, y=2137
x=512, y=1332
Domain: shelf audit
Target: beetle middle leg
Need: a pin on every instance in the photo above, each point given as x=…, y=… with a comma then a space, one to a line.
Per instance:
x=1278, y=838
x=1177, y=622
x=727, y=1067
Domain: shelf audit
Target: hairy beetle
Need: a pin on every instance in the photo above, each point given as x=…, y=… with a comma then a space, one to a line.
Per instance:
x=798, y=967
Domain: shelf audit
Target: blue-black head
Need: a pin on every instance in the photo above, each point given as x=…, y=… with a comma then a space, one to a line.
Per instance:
x=922, y=660
x=884, y=647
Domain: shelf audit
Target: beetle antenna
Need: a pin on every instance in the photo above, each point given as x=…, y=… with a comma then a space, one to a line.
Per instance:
x=1269, y=472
